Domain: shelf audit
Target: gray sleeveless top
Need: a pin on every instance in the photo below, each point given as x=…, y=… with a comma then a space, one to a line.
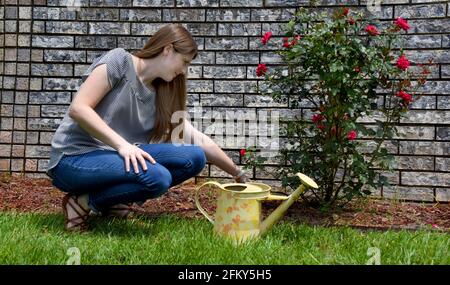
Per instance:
x=128, y=108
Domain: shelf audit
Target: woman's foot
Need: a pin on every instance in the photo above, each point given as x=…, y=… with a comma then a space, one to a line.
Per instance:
x=76, y=212
x=118, y=211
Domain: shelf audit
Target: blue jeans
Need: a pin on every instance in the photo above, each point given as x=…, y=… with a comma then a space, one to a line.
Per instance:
x=102, y=174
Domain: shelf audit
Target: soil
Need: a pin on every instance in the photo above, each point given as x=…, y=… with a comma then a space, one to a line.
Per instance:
x=23, y=194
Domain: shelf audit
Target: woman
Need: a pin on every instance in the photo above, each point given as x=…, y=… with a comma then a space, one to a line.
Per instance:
x=113, y=146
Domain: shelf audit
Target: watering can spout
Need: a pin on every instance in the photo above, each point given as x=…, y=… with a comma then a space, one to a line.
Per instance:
x=278, y=212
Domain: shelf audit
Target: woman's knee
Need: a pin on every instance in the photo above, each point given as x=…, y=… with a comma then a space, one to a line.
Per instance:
x=156, y=179
x=198, y=158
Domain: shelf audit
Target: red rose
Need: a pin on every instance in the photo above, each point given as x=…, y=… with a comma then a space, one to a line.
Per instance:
x=402, y=62
x=372, y=30
x=266, y=37
x=357, y=69
x=317, y=118
x=321, y=126
x=407, y=98
x=261, y=69
x=242, y=152
x=289, y=44
x=402, y=23
x=351, y=135
x=351, y=21
x=345, y=11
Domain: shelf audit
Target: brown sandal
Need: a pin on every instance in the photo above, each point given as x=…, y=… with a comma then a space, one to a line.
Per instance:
x=78, y=223
x=118, y=211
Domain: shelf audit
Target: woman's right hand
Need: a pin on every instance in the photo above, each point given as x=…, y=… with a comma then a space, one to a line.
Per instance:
x=132, y=153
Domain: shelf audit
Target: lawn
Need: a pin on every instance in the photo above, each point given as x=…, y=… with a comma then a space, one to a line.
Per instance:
x=40, y=239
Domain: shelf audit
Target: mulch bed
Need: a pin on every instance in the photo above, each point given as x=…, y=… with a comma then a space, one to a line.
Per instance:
x=22, y=194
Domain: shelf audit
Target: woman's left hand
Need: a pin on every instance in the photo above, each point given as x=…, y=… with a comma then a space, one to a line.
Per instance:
x=242, y=179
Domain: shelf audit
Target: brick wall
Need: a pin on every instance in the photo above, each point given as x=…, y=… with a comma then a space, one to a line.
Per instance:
x=46, y=46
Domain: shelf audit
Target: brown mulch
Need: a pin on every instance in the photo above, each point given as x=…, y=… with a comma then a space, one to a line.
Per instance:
x=21, y=194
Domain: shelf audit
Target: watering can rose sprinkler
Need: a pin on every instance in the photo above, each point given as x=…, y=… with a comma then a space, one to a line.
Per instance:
x=238, y=212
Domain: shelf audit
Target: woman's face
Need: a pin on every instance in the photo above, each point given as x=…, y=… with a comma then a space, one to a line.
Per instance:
x=176, y=63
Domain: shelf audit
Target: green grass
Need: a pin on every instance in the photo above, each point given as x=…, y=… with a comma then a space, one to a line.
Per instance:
x=40, y=239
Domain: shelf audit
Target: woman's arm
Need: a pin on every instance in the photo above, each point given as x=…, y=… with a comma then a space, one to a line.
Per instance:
x=214, y=154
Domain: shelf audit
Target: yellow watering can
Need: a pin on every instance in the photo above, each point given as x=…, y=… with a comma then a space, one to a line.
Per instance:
x=238, y=212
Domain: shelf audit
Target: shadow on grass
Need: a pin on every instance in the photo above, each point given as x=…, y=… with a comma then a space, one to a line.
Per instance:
x=102, y=226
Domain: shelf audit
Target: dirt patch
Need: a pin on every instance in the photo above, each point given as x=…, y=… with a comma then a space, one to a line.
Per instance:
x=38, y=195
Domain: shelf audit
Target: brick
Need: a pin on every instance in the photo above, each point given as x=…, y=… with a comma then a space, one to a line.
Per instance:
x=46, y=137
x=197, y=3
x=271, y=15
x=443, y=133
x=35, y=83
x=18, y=137
x=95, y=14
x=241, y=3
x=429, y=26
x=43, y=124
x=18, y=151
x=37, y=151
x=53, y=41
x=110, y=3
x=438, y=56
x=241, y=29
x=415, y=163
x=17, y=165
x=153, y=15
x=425, y=178
x=24, y=12
x=145, y=29
x=50, y=97
x=200, y=86
x=419, y=41
x=5, y=136
x=200, y=29
x=424, y=148
x=131, y=42
x=237, y=57
x=176, y=15
x=105, y=42
x=415, y=132
x=445, y=71
x=424, y=102
x=5, y=164
x=153, y=3
x=21, y=98
x=228, y=15
x=34, y=111
x=53, y=111
x=234, y=86
x=420, y=11
x=65, y=55
x=424, y=117
x=443, y=194
x=24, y=26
x=38, y=26
x=62, y=27
x=7, y=110
x=30, y=164
x=225, y=100
x=19, y=124
x=409, y=193
x=60, y=84
x=226, y=43
x=443, y=102
x=110, y=28
x=224, y=72
x=20, y=111
x=53, y=69
x=5, y=150
x=262, y=101
x=443, y=164
x=32, y=137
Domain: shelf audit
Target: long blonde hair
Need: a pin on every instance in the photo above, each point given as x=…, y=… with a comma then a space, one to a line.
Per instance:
x=170, y=96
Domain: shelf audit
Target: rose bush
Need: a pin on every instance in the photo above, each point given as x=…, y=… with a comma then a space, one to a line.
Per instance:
x=354, y=84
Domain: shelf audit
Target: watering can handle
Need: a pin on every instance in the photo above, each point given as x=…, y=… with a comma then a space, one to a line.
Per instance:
x=197, y=202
